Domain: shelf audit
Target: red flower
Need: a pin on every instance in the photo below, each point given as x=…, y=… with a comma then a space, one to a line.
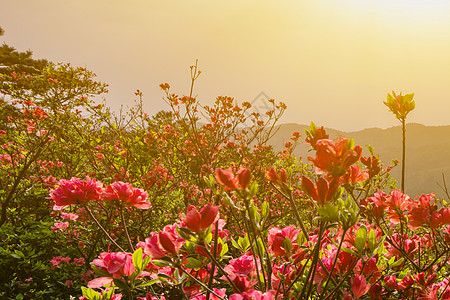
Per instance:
x=391, y=281
x=324, y=191
x=359, y=286
x=335, y=157
x=197, y=221
x=75, y=191
x=372, y=164
x=232, y=182
x=354, y=175
x=315, y=134
x=277, y=236
x=152, y=247
x=167, y=243
x=397, y=204
x=117, y=264
x=127, y=194
x=273, y=177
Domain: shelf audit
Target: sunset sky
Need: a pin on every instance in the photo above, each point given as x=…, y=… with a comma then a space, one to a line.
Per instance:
x=330, y=61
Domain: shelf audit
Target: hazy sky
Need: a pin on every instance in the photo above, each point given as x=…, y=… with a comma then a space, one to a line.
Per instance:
x=331, y=62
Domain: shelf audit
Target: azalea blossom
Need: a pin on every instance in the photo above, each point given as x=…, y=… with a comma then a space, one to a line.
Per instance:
x=75, y=191
x=200, y=220
x=232, y=182
x=335, y=157
x=126, y=195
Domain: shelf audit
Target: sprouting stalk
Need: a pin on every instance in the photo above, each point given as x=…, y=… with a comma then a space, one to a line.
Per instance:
x=102, y=229
x=401, y=105
x=403, y=153
x=299, y=273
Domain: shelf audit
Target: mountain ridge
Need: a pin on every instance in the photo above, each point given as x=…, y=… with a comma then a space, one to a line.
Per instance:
x=427, y=151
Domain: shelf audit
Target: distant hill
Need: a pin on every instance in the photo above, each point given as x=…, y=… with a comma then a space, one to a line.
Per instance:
x=427, y=151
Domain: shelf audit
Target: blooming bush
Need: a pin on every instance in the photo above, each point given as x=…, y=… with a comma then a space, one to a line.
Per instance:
x=168, y=207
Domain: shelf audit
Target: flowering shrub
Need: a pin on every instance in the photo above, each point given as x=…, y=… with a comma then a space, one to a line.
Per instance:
x=358, y=242
x=168, y=207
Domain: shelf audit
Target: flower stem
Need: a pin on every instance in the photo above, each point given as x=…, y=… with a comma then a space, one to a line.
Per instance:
x=103, y=229
x=130, y=245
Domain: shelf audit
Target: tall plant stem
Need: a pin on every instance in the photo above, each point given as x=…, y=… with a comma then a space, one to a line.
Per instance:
x=215, y=262
x=214, y=254
x=255, y=237
x=102, y=229
x=310, y=277
x=294, y=208
x=403, y=153
x=334, y=264
x=122, y=217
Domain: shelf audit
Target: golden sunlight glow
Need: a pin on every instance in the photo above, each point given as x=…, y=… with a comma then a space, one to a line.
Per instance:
x=310, y=54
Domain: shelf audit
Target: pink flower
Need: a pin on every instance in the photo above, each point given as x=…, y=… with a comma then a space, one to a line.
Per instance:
x=117, y=264
x=359, y=286
x=127, y=194
x=69, y=283
x=197, y=221
x=242, y=272
x=277, y=236
x=56, y=261
x=165, y=242
x=152, y=247
x=254, y=295
x=60, y=226
x=69, y=216
x=78, y=261
x=75, y=191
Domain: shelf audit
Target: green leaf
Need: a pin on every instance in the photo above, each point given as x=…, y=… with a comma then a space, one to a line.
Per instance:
x=137, y=259
x=19, y=253
x=235, y=244
x=151, y=282
x=193, y=263
x=100, y=272
x=224, y=249
x=161, y=263
x=348, y=250
x=107, y=295
x=372, y=240
x=89, y=293
x=165, y=278
x=397, y=263
x=328, y=213
x=287, y=245
x=264, y=210
x=361, y=238
x=121, y=284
